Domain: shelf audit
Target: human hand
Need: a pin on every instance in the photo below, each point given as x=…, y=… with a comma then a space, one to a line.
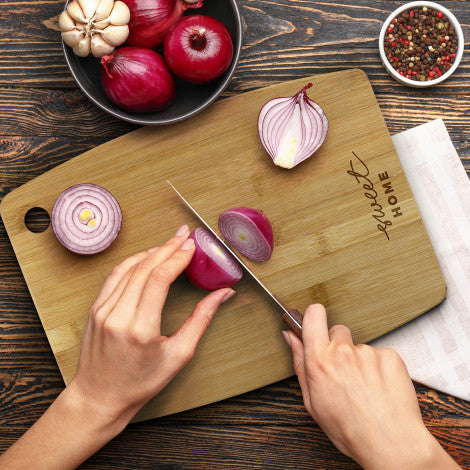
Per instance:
x=124, y=360
x=362, y=398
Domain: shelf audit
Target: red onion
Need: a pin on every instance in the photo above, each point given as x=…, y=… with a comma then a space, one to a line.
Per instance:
x=198, y=48
x=292, y=129
x=249, y=231
x=137, y=80
x=212, y=266
x=151, y=19
x=86, y=219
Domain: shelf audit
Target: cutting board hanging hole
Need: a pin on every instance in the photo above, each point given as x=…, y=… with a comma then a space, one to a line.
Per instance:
x=37, y=220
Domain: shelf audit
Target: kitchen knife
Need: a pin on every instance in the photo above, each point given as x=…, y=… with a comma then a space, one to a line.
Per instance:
x=292, y=317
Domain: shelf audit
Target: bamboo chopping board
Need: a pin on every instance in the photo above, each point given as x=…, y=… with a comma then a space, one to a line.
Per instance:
x=347, y=234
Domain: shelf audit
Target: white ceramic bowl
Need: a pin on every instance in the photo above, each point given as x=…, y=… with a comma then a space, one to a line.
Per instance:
x=458, y=31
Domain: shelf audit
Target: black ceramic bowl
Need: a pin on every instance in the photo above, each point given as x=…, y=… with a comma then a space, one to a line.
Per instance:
x=190, y=99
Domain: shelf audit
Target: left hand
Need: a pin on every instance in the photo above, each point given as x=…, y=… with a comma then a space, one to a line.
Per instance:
x=124, y=360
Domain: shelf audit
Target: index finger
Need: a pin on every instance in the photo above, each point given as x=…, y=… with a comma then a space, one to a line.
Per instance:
x=315, y=330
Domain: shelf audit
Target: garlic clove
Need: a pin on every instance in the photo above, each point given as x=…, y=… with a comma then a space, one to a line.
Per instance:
x=82, y=49
x=120, y=14
x=101, y=24
x=99, y=47
x=76, y=12
x=103, y=9
x=115, y=35
x=73, y=37
x=89, y=7
x=66, y=22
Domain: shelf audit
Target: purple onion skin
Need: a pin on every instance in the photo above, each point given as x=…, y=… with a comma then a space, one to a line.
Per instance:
x=198, y=57
x=151, y=19
x=205, y=273
x=137, y=80
x=263, y=226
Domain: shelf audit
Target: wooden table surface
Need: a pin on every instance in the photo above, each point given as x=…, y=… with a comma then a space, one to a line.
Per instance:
x=45, y=120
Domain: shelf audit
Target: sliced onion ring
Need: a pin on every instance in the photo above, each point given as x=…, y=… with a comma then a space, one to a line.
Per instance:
x=249, y=231
x=292, y=129
x=212, y=266
x=86, y=218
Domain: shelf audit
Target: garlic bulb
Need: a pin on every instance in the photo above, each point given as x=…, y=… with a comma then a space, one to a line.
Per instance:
x=94, y=26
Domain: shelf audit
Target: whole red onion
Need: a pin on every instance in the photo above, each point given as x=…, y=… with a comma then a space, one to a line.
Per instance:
x=198, y=48
x=151, y=19
x=137, y=80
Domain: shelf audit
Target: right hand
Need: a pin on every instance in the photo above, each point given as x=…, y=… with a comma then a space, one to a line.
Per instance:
x=362, y=398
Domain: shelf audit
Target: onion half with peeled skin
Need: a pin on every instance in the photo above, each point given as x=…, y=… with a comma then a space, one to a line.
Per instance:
x=212, y=266
x=86, y=218
x=292, y=129
x=249, y=231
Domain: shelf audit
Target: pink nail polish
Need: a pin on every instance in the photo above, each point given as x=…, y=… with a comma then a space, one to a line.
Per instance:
x=286, y=338
x=181, y=231
x=228, y=296
x=187, y=245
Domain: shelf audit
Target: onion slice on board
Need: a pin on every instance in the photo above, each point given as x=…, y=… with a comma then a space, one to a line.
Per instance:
x=292, y=129
x=86, y=218
x=249, y=231
x=212, y=266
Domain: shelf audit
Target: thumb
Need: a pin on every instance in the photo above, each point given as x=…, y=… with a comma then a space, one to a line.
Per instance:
x=298, y=357
x=191, y=331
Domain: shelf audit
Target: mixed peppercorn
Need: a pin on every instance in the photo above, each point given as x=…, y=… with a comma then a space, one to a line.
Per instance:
x=421, y=44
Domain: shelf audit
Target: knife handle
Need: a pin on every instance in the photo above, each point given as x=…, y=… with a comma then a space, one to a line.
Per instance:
x=292, y=325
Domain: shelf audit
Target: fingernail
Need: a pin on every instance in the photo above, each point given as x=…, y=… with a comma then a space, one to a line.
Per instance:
x=187, y=245
x=286, y=338
x=228, y=296
x=153, y=250
x=181, y=231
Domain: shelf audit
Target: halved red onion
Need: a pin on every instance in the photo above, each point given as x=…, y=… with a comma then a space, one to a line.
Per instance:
x=292, y=129
x=249, y=231
x=212, y=266
x=86, y=218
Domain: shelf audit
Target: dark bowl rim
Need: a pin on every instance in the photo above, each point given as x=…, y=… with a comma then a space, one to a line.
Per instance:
x=123, y=115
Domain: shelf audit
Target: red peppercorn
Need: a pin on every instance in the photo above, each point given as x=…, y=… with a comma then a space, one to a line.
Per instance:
x=431, y=74
x=443, y=40
x=447, y=58
x=412, y=13
x=406, y=42
x=408, y=27
x=390, y=29
x=440, y=15
x=454, y=55
x=436, y=68
x=394, y=20
x=394, y=43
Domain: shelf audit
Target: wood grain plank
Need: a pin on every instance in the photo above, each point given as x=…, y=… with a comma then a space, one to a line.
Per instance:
x=281, y=37
x=39, y=112
x=201, y=447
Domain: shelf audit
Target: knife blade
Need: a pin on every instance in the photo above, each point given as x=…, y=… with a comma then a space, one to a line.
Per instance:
x=292, y=317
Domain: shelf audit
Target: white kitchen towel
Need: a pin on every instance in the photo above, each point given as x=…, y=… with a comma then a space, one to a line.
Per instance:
x=436, y=345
